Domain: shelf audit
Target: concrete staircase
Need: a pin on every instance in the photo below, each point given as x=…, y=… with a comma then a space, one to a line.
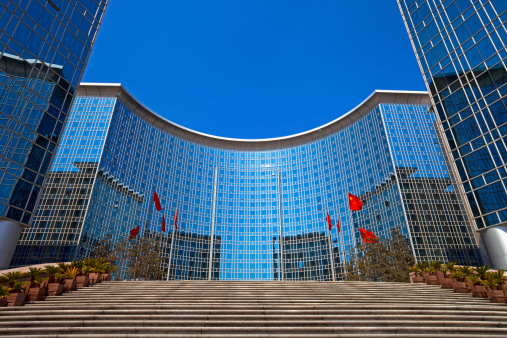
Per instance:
x=257, y=309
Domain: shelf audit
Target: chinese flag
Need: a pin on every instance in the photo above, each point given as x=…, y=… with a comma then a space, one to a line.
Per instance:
x=368, y=236
x=176, y=219
x=157, y=201
x=355, y=203
x=163, y=223
x=338, y=225
x=328, y=219
x=134, y=232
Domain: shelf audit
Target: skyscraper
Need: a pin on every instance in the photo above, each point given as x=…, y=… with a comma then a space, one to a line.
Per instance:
x=44, y=48
x=249, y=209
x=461, y=49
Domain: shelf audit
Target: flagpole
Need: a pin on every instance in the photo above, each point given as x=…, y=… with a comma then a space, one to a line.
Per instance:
x=330, y=249
x=163, y=217
x=213, y=225
x=342, y=248
x=280, y=240
x=150, y=212
x=352, y=228
x=171, y=250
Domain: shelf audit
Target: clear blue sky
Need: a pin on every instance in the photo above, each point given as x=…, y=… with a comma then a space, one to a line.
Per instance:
x=253, y=69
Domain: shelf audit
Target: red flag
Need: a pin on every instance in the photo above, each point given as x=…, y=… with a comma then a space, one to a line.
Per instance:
x=355, y=203
x=157, y=201
x=338, y=225
x=163, y=223
x=328, y=219
x=134, y=232
x=368, y=236
x=176, y=219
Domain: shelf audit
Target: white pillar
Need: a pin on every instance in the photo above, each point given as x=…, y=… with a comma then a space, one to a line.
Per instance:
x=495, y=239
x=9, y=235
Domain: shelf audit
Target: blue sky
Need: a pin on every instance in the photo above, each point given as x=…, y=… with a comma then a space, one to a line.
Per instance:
x=253, y=69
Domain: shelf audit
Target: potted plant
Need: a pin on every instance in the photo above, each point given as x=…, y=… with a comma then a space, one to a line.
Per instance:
x=96, y=268
x=69, y=279
x=429, y=277
x=447, y=281
x=495, y=295
x=82, y=277
x=417, y=274
x=34, y=273
x=63, y=266
x=55, y=288
x=37, y=292
x=4, y=293
x=477, y=289
x=482, y=270
x=11, y=277
x=422, y=266
x=17, y=293
x=108, y=270
x=499, y=275
x=87, y=270
x=437, y=266
x=459, y=284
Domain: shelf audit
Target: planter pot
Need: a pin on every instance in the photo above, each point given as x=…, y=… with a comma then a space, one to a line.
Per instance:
x=55, y=289
x=431, y=280
x=3, y=302
x=36, y=294
x=479, y=291
x=496, y=296
x=69, y=285
x=82, y=281
x=95, y=278
x=448, y=283
x=106, y=277
x=16, y=299
x=460, y=287
x=416, y=279
x=440, y=276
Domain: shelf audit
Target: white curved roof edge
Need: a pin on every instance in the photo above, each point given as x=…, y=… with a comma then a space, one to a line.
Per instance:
x=345, y=120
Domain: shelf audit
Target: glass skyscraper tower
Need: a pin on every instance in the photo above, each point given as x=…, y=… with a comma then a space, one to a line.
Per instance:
x=249, y=209
x=461, y=49
x=44, y=47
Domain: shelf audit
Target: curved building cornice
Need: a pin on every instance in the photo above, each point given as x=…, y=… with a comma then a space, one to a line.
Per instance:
x=376, y=98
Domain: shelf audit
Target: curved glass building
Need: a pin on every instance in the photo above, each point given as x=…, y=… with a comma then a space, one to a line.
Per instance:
x=44, y=48
x=249, y=209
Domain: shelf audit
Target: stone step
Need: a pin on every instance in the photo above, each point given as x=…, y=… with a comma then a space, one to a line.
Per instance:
x=289, y=316
x=169, y=300
x=242, y=330
x=267, y=335
x=34, y=312
x=281, y=322
x=42, y=306
x=421, y=287
x=265, y=303
x=457, y=296
x=267, y=290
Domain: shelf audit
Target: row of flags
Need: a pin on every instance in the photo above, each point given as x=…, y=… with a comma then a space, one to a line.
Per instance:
x=355, y=204
x=158, y=206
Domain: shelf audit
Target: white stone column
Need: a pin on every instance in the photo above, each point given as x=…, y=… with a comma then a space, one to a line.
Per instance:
x=9, y=235
x=495, y=239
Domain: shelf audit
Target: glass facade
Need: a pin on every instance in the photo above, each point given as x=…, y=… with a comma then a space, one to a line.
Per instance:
x=249, y=209
x=461, y=49
x=44, y=47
